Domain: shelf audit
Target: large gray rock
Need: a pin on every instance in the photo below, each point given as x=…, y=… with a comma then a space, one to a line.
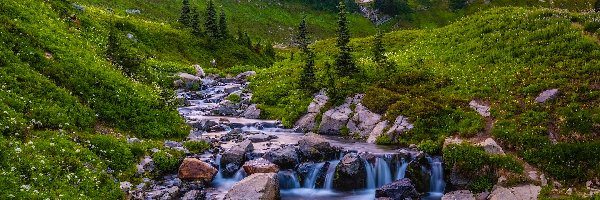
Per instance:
x=491, y=147
x=524, y=192
x=252, y=112
x=259, y=186
x=233, y=158
x=363, y=121
x=199, y=71
x=459, y=195
x=483, y=110
x=313, y=147
x=146, y=165
x=547, y=95
x=245, y=75
x=194, y=195
x=318, y=102
x=188, y=78
x=350, y=173
x=285, y=157
x=402, y=189
x=400, y=125
x=306, y=123
x=377, y=131
x=335, y=119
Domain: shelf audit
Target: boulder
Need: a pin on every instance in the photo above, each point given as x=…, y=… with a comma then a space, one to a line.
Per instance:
x=313, y=147
x=363, y=121
x=225, y=108
x=231, y=88
x=335, y=119
x=245, y=75
x=402, y=189
x=194, y=195
x=146, y=165
x=233, y=158
x=483, y=110
x=204, y=124
x=188, y=78
x=452, y=140
x=318, y=102
x=306, y=123
x=166, y=193
x=377, y=131
x=261, y=137
x=260, y=165
x=194, y=169
x=259, y=186
x=285, y=157
x=400, y=125
x=199, y=71
x=459, y=195
x=491, y=147
x=252, y=112
x=524, y=192
x=547, y=95
x=125, y=186
x=350, y=173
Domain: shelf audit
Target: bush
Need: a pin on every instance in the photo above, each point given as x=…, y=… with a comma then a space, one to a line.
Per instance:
x=196, y=146
x=235, y=98
x=115, y=151
x=378, y=99
x=167, y=162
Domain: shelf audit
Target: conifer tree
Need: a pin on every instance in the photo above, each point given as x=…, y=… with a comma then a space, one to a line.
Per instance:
x=378, y=49
x=597, y=6
x=195, y=22
x=185, y=13
x=343, y=62
x=247, y=41
x=307, y=78
x=210, y=24
x=269, y=50
x=331, y=87
x=223, y=32
x=302, y=38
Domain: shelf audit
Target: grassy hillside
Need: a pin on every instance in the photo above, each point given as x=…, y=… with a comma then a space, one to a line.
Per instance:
x=504, y=56
x=67, y=109
x=271, y=21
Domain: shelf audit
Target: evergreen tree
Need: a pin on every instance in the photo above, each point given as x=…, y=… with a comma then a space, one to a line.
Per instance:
x=195, y=22
x=597, y=6
x=223, y=32
x=211, y=20
x=185, y=13
x=270, y=51
x=247, y=41
x=378, y=49
x=331, y=87
x=307, y=78
x=302, y=38
x=343, y=62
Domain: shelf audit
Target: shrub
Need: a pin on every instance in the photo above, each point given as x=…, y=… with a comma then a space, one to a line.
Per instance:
x=235, y=98
x=115, y=151
x=167, y=162
x=196, y=146
x=378, y=99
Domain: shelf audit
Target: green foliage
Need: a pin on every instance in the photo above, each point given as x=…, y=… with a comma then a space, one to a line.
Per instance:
x=223, y=31
x=167, y=162
x=379, y=99
x=184, y=18
x=430, y=147
x=196, y=147
x=384, y=139
x=210, y=23
x=567, y=161
x=195, y=22
x=115, y=151
x=302, y=39
x=344, y=64
x=482, y=184
x=235, y=98
x=307, y=78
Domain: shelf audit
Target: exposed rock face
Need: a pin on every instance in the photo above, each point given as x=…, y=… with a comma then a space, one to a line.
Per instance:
x=199, y=71
x=335, y=119
x=402, y=189
x=459, y=195
x=233, y=158
x=452, y=140
x=194, y=169
x=245, y=75
x=491, y=147
x=285, y=157
x=400, y=125
x=261, y=137
x=167, y=193
x=547, y=95
x=350, y=173
x=188, y=78
x=363, y=121
x=525, y=192
x=260, y=165
x=318, y=102
x=146, y=165
x=483, y=110
x=307, y=122
x=252, y=112
x=260, y=186
x=377, y=131
x=194, y=195
x=313, y=147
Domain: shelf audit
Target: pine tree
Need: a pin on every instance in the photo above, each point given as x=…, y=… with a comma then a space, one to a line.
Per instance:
x=195, y=23
x=269, y=50
x=211, y=20
x=307, y=78
x=343, y=62
x=185, y=13
x=223, y=32
x=302, y=38
x=378, y=49
x=331, y=87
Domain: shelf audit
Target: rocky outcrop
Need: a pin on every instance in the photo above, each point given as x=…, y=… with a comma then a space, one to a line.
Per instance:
x=401, y=125
x=524, y=192
x=363, y=121
x=483, y=110
x=194, y=195
x=377, y=131
x=146, y=165
x=547, y=95
x=459, y=195
x=260, y=165
x=233, y=158
x=188, y=78
x=491, y=147
x=199, y=71
x=260, y=186
x=307, y=122
x=252, y=112
x=402, y=189
x=313, y=147
x=245, y=75
x=335, y=119
x=350, y=173
x=285, y=157
x=194, y=169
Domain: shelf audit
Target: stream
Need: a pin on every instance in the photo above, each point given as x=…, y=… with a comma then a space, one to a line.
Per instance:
x=210, y=106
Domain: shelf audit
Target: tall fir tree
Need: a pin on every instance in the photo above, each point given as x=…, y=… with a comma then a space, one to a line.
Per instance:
x=185, y=13
x=195, y=22
x=343, y=62
x=302, y=39
x=307, y=78
x=210, y=25
x=331, y=88
x=378, y=49
x=269, y=50
x=223, y=32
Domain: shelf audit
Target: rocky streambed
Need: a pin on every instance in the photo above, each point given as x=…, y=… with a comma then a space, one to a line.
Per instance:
x=252, y=158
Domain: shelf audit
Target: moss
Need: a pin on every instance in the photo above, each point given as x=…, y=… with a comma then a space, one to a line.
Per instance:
x=235, y=98
x=167, y=161
x=196, y=147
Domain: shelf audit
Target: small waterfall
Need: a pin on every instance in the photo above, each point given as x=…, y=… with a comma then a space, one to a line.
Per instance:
x=330, y=174
x=311, y=179
x=370, y=174
x=288, y=180
x=240, y=174
x=401, y=169
x=437, y=184
x=219, y=175
x=382, y=171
